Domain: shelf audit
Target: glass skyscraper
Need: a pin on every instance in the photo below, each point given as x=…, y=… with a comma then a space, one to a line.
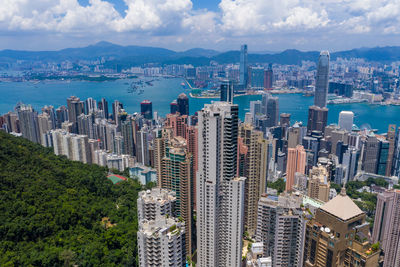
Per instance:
x=243, y=66
x=322, y=80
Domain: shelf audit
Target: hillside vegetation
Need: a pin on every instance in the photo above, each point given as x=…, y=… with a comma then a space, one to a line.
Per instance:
x=56, y=212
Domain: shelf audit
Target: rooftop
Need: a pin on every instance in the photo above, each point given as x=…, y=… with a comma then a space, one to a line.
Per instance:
x=183, y=96
x=162, y=226
x=157, y=194
x=342, y=207
x=115, y=178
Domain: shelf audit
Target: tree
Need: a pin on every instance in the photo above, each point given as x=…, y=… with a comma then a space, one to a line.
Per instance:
x=68, y=256
x=279, y=185
x=51, y=210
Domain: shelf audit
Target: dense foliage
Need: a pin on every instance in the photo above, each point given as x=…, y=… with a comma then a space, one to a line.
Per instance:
x=279, y=185
x=55, y=212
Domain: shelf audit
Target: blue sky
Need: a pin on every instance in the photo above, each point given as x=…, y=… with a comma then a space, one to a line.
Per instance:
x=265, y=25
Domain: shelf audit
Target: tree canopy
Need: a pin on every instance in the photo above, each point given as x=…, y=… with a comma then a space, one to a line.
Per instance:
x=53, y=210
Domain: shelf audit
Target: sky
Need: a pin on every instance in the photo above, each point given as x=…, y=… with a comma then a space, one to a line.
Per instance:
x=265, y=25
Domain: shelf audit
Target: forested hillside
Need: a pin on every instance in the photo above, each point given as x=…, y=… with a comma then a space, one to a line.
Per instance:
x=55, y=212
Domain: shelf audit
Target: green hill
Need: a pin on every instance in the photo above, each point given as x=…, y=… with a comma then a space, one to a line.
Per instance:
x=56, y=212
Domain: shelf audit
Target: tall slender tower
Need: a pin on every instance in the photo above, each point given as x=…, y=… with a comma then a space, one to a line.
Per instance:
x=220, y=196
x=268, y=77
x=243, y=66
x=227, y=91
x=273, y=111
x=255, y=171
x=322, y=81
x=387, y=226
x=103, y=105
x=391, y=138
x=176, y=174
x=75, y=108
x=29, y=124
x=296, y=162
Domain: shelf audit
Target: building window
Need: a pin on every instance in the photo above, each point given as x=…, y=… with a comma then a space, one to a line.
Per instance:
x=329, y=258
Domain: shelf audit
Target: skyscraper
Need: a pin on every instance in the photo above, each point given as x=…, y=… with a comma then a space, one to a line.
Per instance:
x=177, y=124
x=243, y=79
x=350, y=163
x=61, y=115
x=128, y=133
x=322, y=80
x=268, y=77
x=29, y=123
x=44, y=124
x=49, y=110
x=161, y=243
x=75, y=147
x=284, y=120
x=255, y=171
x=338, y=236
x=142, y=145
x=146, y=109
x=384, y=147
x=387, y=226
x=227, y=91
x=173, y=106
x=255, y=108
x=346, y=120
x=11, y=122
x=192, y=147
x=273, y=111
x=220, y=196
x=75, y=108
x=396, y=155
x=317, y=119
x=296, y=162
x=319, y=183
x=156, y=203
x=177, y=175
x=90, y=105
x=116, y=109
x=391, y=138
x=183, y=104
x=103, y=105
x=256, y=78
x=371, y=154
x=281, y=227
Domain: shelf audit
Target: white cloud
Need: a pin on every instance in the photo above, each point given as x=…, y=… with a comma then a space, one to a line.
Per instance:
x=303, y=18
x=152, y=14
x=178, y=21
x=259, y=16
x=99, y=15
x=201, y=22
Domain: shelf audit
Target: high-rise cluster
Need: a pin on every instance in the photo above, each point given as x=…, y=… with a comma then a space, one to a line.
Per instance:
x=264, y=191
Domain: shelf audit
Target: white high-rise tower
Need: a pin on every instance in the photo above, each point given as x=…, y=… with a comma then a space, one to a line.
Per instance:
x=346, y=119
x=220, y=195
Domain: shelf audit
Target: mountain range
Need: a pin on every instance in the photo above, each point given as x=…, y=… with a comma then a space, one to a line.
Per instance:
x=126, y=56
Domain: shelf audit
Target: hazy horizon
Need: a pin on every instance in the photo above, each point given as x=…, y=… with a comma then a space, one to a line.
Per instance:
x=250, y=51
